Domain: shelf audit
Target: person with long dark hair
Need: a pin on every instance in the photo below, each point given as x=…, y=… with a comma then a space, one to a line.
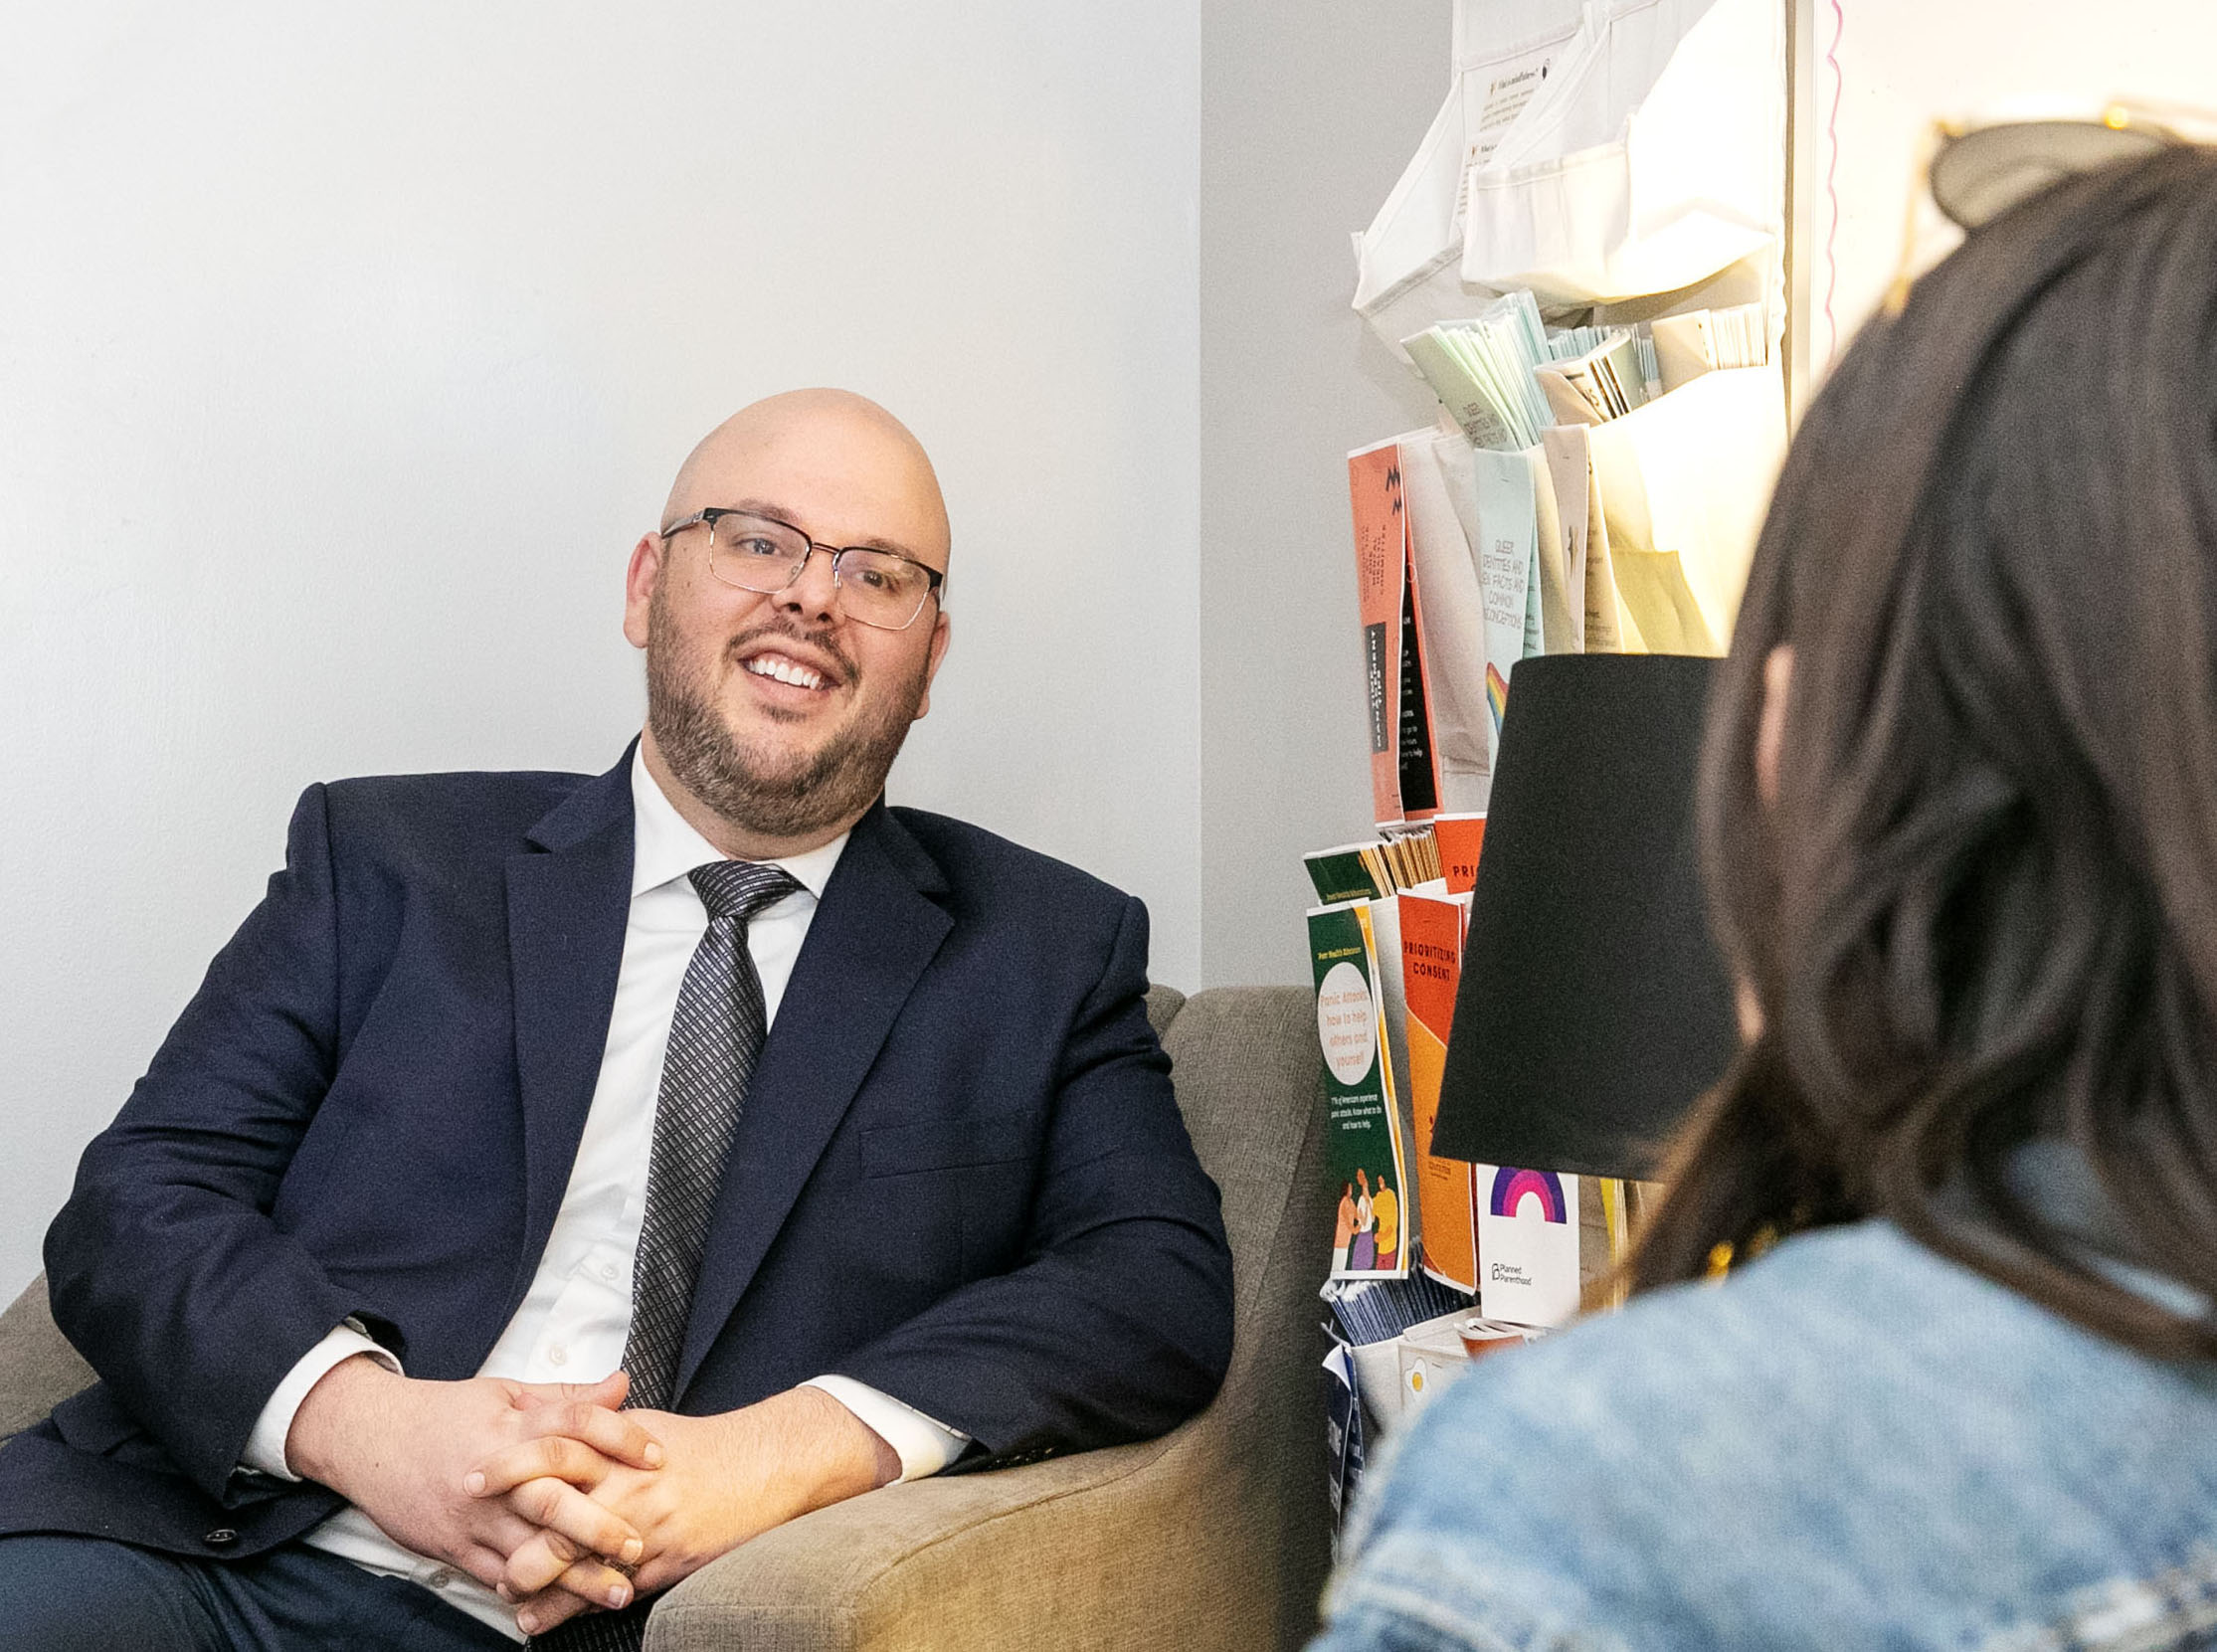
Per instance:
x=1957, y=1385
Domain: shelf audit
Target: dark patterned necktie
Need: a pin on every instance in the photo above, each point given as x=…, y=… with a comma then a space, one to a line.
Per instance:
x=715, y=1037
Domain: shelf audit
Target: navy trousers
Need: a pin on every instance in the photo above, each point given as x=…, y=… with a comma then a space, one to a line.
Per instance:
x=88, y=1595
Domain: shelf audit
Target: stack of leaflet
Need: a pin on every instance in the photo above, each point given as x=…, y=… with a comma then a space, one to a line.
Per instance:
x=1369, y=1320
x=1379, y=1310
x=1503, y=378
x=1568, y=343
x=1627, y=524
x=1651, y=365
x=1383, y=867
x=1705, y=340
x=1374, y=1152
x=1376, y=1144
x=1481, y=369
x=1387, y=955
x=1604, y=382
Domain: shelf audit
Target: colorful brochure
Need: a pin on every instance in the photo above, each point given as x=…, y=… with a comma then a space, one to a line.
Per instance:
x=1528, y=1235
x=1404, y=782
x=1433, y=925
x=1342, y=873
x=1365, y=1154
x=1458, y=840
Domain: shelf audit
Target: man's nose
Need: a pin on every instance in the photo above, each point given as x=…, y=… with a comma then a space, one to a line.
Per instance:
x=814, y=590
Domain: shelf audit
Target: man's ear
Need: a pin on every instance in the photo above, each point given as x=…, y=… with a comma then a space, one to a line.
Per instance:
x=639, y=579
x=940, y=632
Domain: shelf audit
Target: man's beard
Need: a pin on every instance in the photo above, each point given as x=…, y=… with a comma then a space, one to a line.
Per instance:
x=758, y=790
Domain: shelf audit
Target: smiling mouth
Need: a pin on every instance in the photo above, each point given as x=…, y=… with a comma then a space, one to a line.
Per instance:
x=782, y=669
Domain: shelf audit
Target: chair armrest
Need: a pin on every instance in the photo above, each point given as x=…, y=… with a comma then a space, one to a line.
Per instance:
x=1137, y=1545
x=846, y=1575
x=38, y=1367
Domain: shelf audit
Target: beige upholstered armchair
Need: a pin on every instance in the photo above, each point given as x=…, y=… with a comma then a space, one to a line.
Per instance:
x=1212, y=1537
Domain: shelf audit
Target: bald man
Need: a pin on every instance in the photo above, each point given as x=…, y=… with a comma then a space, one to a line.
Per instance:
x=372, y=1255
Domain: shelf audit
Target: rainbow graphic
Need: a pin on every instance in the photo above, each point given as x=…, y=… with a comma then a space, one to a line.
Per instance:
x=1497, y=695
x=1512, y=1187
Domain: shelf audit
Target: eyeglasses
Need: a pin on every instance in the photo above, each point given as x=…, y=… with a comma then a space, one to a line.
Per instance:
x=877, y=588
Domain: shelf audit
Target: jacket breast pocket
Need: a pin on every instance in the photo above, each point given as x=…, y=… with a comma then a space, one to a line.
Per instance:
x=948, y=1144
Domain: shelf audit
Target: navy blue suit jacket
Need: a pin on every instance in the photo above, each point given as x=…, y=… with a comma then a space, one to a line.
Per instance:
x=960, y=1175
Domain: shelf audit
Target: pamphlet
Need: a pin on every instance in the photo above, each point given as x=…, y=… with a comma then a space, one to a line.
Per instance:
x=1565, y=455
x=1364, y=1155
x=1435, y=485
x=1404, y=782
x=1459, y=839
x=1343, y=1433
x=1341, y=873
x=1507, y=525
x=1528, y=1236
x=1432, y=923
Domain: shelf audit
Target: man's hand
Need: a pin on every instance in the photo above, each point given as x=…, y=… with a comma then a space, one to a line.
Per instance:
x=397, y=1448
x=726, y=1479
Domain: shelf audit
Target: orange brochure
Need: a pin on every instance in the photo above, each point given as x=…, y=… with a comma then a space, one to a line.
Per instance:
x=1405, y=780
x=1448, y=1191
x=1460, y=837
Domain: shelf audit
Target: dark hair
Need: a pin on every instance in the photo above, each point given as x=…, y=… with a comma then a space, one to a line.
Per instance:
x=1982, y=906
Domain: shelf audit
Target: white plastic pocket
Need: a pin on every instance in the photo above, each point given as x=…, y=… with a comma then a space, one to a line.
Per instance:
x=1683, y=485
x=1654, y=158
x=1408, y=261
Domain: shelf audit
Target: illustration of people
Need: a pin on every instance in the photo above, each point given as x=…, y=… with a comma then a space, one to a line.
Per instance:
x=1361, y=1256
x=1343, y=1229
x=1386, y=1214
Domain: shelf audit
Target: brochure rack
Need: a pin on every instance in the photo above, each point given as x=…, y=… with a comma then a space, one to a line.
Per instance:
x=1627, y=163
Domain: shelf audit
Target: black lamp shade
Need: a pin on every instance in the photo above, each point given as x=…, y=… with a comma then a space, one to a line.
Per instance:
x=1594, y=1006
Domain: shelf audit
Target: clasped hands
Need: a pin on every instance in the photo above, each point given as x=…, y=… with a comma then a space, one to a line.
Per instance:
x=560, y=1501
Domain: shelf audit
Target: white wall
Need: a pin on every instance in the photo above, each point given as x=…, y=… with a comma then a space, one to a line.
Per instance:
x=345, y=350
x=1886, y=69
x=1310, y=111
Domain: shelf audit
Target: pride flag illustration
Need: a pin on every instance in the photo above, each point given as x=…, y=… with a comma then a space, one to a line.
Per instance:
x=1497, y=695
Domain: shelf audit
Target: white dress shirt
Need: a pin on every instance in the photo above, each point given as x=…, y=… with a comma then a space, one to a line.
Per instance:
x=573, y=1320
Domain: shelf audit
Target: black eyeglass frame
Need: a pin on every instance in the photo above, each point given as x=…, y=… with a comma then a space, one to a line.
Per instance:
x=715, y=513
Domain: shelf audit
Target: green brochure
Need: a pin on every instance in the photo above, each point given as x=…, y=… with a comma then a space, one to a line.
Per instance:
x=1365, y=1155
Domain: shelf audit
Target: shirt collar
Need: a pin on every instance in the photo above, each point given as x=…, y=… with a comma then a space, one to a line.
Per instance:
x=664, y=845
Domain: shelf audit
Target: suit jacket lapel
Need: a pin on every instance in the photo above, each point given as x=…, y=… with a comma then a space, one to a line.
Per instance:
x=569, y=903
x=872, y=938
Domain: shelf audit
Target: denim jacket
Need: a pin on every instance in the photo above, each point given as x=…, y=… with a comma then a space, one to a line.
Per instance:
x=1851, y=1443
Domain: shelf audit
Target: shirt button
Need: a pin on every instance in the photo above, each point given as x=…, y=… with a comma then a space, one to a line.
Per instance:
x=439, y=1579
x=558, y=1354
x=608, y=1272
x=220, y=1538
